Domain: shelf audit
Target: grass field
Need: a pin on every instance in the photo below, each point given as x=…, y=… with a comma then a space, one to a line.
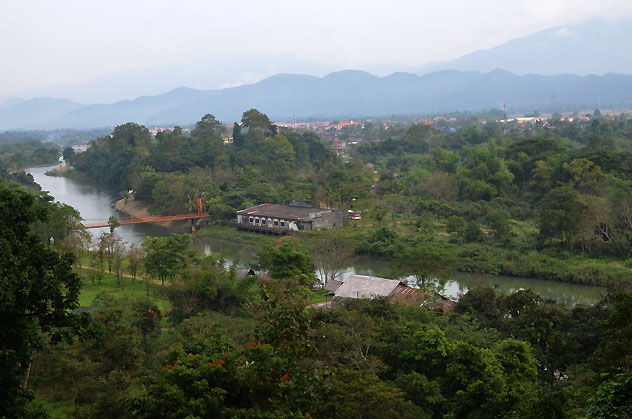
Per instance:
x=130, y=289
x=232, y=234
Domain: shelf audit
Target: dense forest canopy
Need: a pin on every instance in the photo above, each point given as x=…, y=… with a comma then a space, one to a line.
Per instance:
x=21, y=154
x=546, y=199
x=179, y=334
x=263, y=164
x=62, y=136
x=208, y=343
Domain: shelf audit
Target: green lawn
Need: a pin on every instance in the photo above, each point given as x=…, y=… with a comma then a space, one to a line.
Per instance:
x=319, y=296
x=231, y=233
x=131, y=289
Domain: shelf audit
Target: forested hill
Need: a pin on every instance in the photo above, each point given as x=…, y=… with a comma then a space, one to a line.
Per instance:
x=343, y=94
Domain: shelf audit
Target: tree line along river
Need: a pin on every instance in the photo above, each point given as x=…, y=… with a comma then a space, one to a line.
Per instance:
x=94, y=201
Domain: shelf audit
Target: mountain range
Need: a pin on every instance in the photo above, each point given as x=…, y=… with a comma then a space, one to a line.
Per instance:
x=344, y=94
x=596, y=46
x=593, y=47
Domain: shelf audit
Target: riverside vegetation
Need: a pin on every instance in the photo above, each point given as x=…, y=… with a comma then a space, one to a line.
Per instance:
x=210, y=344
x=548, y=201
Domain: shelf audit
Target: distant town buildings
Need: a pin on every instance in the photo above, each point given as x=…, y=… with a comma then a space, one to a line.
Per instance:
x=155, y=130
x=318, y=125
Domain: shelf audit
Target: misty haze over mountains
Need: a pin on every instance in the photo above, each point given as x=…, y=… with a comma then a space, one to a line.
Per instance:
x=339, y=95
x=594, y=47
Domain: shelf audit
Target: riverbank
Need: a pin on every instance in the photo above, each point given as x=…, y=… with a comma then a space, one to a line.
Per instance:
x=480, y=259
x=94, y=201
x=230, y=233
x=469, y=258
x=532, y=264
x=61, y=171
x=136, y=209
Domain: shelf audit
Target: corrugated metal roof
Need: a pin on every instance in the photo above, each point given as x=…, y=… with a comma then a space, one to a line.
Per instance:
x=360, y=286
x=283, y=211
x=445, y=304
x=404, y=294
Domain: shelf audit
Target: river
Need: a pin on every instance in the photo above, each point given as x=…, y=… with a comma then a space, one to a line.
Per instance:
x=94, y=201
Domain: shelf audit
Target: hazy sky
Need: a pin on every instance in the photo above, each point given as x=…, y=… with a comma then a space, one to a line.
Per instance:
x=44, y=42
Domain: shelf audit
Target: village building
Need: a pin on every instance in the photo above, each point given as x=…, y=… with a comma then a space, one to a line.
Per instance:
x=361, y=286
x=283, y=219
x=332, y=285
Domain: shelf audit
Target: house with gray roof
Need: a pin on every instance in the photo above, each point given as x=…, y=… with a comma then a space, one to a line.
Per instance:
x=282, y=219
x=332, y=285
x=362, y=286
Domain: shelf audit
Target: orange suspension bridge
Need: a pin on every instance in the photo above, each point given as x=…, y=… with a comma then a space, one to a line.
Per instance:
x=160, y=219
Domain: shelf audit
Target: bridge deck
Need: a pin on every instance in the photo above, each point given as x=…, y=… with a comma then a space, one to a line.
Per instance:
x=161, y=219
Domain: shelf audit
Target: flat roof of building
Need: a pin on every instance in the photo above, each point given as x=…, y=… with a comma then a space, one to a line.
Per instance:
x=283, y=211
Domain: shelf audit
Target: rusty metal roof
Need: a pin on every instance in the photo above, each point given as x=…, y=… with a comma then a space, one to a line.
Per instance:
x=360, y=286
x=404, y=294
x=445, y=304
x=283, y=211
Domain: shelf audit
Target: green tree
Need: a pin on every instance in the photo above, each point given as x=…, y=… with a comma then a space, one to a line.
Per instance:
x=165, y=257
x=281, y=154
x=135, y=260
x=361, y=395
x=68, y=153
x=171, y=194
x=62, y=228
x=331, y=252
x=426, y=262
x=613, y=353
x=207, y=286
x=258, y=125
x=208, y=141
x=473, y=232
x=456, y=224
x=486, y=174
x=38, y=293
x=108, y=245
x=613, y=398
x=285, y=261
x=146, y=318
x=382, y=242
x=96, y=374
x=498, y=221
x=282, y=319
x=238, y=139
x=560, y=214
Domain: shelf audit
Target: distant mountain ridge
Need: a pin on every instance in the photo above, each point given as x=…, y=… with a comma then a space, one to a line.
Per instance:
x=349, y=93
x=596, y=46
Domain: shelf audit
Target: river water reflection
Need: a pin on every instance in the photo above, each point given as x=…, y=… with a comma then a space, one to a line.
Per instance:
x=94, y=201
x=456, y=284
